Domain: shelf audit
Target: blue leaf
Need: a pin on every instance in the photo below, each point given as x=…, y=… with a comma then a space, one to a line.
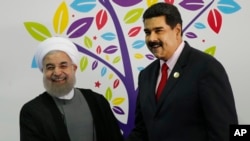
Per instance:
x=140, y=68
x=83, y=5
x=138, y=44
x=108, y=36
x=228, y=6
x=34, y=65
x=103, y=71
x=199, y=25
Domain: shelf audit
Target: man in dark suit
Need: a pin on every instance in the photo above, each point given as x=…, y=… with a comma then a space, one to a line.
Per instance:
x=62, y=112
x=196, y=103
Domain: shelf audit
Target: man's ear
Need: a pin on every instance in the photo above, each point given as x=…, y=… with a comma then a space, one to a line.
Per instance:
x=74, y=67
x=178, y=30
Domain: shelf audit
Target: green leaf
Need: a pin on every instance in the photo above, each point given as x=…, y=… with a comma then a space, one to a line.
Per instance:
x=88, y=42
x=133, y=15
x=83, y=63
x=210, y=50
x=108, y=94
x=37, y=30
x=117, y=59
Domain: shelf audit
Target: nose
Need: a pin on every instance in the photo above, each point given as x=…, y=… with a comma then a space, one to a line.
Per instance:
x=151, y=37
x=57, y=71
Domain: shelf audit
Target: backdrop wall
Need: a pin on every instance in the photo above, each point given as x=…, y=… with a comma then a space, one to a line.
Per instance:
x=110, y=39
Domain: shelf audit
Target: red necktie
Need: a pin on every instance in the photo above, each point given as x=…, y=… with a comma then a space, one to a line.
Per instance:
x=163, y=81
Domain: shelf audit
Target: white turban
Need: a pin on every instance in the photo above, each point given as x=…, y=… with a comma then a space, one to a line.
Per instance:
x=55, y=43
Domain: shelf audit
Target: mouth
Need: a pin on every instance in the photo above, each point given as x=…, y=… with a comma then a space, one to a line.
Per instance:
x=58, y=79
x=154, y=44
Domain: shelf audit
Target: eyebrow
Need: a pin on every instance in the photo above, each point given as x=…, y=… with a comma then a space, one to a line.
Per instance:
x=62, y=63
x=156, y=28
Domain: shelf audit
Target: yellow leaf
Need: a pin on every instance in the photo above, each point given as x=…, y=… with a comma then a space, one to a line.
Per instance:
x=118, y=101
x=61, y=18
x=138, y=56
x=111, y=76
x=151, y=2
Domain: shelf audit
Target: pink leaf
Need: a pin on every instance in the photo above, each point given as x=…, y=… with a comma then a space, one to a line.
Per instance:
x=214, y=20
x=98, y=50
x=116, y=83
x=134, y=31
x=169, y=1
x=101, y=19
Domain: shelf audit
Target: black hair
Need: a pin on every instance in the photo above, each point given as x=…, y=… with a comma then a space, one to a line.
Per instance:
x=171, y=13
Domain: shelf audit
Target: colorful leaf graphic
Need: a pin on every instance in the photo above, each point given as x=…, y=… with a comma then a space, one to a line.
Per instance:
x=111, y=76
x=33, y=64
x=138, y=56
x=133, y=15
x=88, y=42
x=110, y=49
x=228, y=6
x=94, y=65
x=169, y=1
x=214, y=20
x=108, y=94
x=83, y=63
x=126, y=3
x=118, y=110
x=191, y=35
x=138, y=44
x=83, y=6
x=37, y=30
x=116, y=83
x=98, y=50
x=118, y=101
x=116, y=59
x=134, y=31
x=140, y=68
x=101, y=19
x=199, y=25
x=108, y=36
x=211, y=50
x=151, y=2
x=103, y=71
x=61, y=18
x=79, y=27
x=107, y=57
x=192, y=4
x=150, y=56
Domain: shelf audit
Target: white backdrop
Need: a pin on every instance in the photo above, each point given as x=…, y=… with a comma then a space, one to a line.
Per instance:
x=20, y=83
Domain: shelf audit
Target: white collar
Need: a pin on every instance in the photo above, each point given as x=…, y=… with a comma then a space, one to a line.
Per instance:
x=68, y=96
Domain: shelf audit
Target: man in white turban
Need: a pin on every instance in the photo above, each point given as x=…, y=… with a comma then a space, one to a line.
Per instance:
x=56, y=43
x=62, y=112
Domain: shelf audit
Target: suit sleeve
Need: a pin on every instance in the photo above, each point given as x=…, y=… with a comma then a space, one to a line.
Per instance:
x=139, y=132
x=28, y=127
x=217, y=101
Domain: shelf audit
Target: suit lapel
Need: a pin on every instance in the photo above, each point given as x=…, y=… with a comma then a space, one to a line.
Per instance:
x=60, y=128
x=174, y=77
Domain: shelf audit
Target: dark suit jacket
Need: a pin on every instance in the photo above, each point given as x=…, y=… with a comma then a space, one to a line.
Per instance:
x=197, y=106
x=41, y=120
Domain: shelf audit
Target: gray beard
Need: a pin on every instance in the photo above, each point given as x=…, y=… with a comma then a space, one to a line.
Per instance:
x=59, y=90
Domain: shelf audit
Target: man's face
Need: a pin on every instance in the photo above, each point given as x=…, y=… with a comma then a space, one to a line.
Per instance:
x=58, y=73
x=161, y=40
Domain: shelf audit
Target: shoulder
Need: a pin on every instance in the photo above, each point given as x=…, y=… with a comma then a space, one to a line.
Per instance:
x=37, y=102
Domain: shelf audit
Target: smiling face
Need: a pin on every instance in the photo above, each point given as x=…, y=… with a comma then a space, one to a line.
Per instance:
x=58, y=73
x=161, y=39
